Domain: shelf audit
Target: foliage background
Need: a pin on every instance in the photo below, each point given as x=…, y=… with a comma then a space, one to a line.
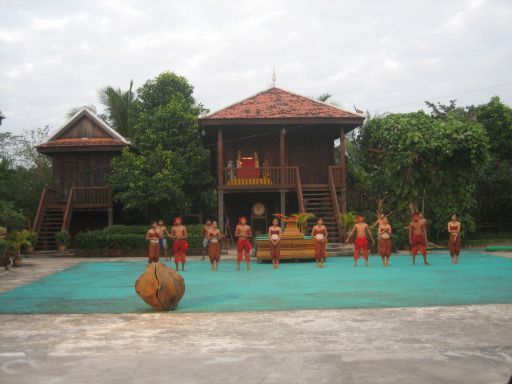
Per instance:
x=128, y=237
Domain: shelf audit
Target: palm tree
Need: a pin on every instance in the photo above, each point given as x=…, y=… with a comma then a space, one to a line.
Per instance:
x=91, y=107
x=324, y=97
x=118, y=108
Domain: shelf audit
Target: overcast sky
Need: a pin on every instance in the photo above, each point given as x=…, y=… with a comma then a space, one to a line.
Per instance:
x=377, y=55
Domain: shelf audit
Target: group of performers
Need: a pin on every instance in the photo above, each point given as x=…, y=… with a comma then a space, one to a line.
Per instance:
x=157, y=240
x=212, y=236
x=417, y=238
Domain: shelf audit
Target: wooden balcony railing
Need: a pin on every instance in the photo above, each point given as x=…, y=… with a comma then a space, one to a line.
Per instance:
x=86, y=197
x=261, y=178
x=48, y=196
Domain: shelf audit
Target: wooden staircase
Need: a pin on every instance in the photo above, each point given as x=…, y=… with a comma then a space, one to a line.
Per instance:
x=318, y=201
x=50, y=225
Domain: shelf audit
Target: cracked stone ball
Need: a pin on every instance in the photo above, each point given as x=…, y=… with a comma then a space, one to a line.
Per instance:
x=160, y=286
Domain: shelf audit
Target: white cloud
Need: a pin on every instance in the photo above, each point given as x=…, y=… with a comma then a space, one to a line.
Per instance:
x=56, y=54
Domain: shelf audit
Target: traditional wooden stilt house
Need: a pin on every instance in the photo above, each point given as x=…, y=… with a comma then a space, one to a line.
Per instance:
x=274, y=153
x=79, y=199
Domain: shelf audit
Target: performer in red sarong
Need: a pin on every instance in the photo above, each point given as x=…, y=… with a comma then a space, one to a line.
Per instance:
x=153, y=238
x=162, y=230
x=180, y=246
x=361, y=241
x=417, y=238
x=274, y=235
x=454, y=227
x=206, y=229
x=243, y=233
x=213, y=237
x=384, y=240
x=319, y=233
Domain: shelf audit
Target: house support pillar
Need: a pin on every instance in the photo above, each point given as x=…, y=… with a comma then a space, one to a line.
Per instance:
x=110, y=212
x=221, y=211
x=220, y=160
x=343, y=163
x=283, y=206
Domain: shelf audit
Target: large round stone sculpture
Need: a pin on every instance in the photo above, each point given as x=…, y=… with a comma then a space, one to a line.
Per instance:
x=160, y=286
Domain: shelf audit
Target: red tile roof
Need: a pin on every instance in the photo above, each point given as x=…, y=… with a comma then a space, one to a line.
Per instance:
x=85, y=142
x=276, y=103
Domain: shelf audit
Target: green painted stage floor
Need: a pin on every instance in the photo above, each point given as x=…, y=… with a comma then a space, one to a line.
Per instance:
x=108, y=287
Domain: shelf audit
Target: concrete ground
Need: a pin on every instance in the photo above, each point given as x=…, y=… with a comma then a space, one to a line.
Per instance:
x=463, y=344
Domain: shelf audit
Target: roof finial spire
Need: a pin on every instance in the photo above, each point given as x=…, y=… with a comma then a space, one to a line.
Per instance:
x=273, y=76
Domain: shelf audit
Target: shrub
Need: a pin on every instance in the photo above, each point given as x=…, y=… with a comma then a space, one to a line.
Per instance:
x=17, y=240
x=126, y=229
x=62, y=238
x=10, y=217
x=128, y=237
x=3, y=247
x=32, y=238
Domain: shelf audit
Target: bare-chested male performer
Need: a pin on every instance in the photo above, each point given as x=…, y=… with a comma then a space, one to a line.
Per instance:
x=243, y=233
x=206, y=228
x=214, y=237
x=162, y=230
x=418, y=238
x=179, y=234
x=361, y=241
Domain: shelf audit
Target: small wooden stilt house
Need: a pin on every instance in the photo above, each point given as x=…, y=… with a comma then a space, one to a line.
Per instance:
x=81, y=153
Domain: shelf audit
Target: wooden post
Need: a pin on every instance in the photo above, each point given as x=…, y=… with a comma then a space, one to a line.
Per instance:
x=221, y=211
x=283, y=206
x=220, y=158
x=282, y=160
x=110, y=217
x=282, y=147
x=343, y=172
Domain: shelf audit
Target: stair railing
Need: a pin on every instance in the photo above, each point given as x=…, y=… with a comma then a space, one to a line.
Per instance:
x=298, y=184
x=334, y=198
x=47, y=197
x=41, y=208
x=68, y=210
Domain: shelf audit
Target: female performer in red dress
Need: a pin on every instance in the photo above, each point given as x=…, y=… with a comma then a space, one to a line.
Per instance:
x=454, y=241
x=153, y=238
x=384, y=233
x=319, y=234
x=274, y=235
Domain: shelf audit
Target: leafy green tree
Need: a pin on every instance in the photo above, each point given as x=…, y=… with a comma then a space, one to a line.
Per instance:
x=10, y=217
x=23, y=171
x=495, y=185
x=413, y=159
x=167, y=171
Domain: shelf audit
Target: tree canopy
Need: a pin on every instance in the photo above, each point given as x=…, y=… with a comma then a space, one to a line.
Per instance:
x=411, y=160
x=167, y=170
